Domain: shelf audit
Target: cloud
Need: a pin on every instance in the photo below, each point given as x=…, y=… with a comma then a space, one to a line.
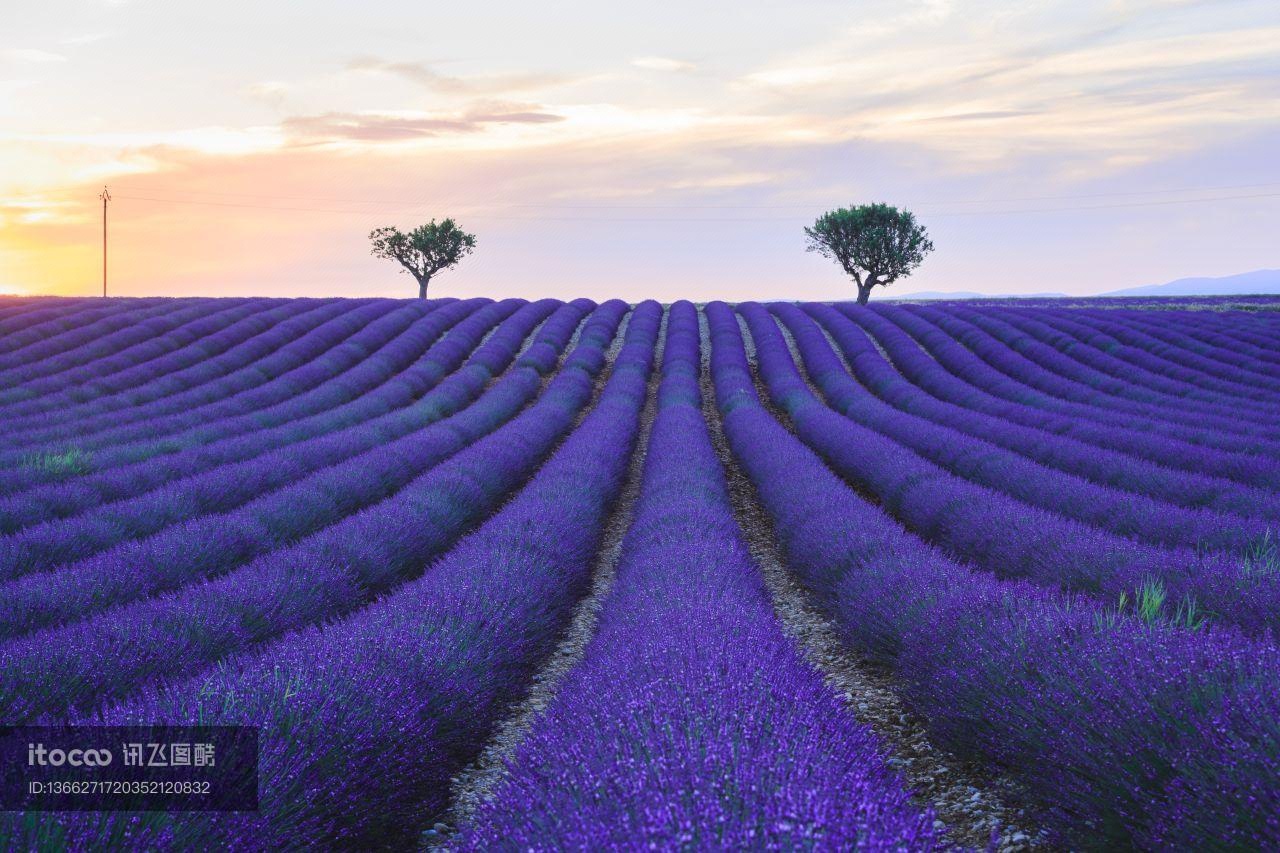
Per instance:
x=399, y=127
x=88, y=38
x=272, y=92
x=906, y=16
x=980, y=115
x=427, y=77
x=662, y=63
x=36, y=210
x=1099, y=88
x=501, y=112
x=30, y=55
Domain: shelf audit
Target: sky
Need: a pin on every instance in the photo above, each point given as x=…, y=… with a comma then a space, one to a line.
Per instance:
x=658, y=149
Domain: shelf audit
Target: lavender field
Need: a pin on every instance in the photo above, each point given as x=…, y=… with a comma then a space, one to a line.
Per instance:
x=559, y=575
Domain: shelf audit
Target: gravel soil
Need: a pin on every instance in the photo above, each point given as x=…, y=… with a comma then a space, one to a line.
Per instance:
x=973, y=806
x=475, y=783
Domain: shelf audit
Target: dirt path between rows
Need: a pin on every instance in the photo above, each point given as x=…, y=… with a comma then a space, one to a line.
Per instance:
x=475, y=783
x=973, y=806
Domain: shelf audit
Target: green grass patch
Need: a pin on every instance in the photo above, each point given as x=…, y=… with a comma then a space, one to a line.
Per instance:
x=71, y=461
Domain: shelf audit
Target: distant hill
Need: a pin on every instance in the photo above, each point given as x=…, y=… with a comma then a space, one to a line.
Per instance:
x=1258, y=281
x=1262, y=282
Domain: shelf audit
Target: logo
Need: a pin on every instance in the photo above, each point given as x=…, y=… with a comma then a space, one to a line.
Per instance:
x=39, y=756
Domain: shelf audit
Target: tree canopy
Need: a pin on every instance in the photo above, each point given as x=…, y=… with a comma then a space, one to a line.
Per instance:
x=873, y=243
x=424, y=251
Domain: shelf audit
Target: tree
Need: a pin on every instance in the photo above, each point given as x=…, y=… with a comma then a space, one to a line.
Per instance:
x=424, y=251
x=874, y=243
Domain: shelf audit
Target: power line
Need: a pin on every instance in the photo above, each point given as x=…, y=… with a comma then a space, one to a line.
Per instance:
x=1113, y=195
x=1105, y=206
x=792, y=205
x=407, y=204
x=235, y=204
x=1009, y=212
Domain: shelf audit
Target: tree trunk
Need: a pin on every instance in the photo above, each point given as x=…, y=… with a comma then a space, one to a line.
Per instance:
x=422, y=287
x=864, y=293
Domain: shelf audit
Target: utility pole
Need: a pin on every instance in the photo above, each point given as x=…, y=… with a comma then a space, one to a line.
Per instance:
x=105, y=195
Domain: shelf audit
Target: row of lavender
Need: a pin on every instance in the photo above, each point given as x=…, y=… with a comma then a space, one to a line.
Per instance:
x=999, y=510
x=419, y=678
x=216, y=601
x=140, y=513
x=1121, y=730
x=922, y=377
x=316, y=483
x=32, y=515
x=233, y=579
x=993, y=366
x=1165, y=467
x=691, y=720
x=408, y=687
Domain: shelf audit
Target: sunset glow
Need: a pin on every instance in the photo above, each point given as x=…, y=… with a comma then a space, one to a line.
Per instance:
x=656, y=152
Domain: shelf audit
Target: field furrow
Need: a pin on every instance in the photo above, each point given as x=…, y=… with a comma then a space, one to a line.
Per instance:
x=453, y=648
x=692, y=719
x=1024, y=678
x=509, y=574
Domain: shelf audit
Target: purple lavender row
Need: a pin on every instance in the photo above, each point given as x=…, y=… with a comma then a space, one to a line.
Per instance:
x=1067, y=378
x=1122, y=733
x=347, y=341
x=376, y=329
x=1234, y=419
x=12, y=309
x=30, y=468
x=1108, y=365
x=1257, y=331
x=297, y=468
x=1168, y=350
x=998, y=352
x=330, y=322
x=149, y=337
x=1050, y=373
x=322, y=575
x=103, y=336
x=146, y=338
x=1230, y=345
x=48, y=316
x=1153, y=366
x=66, y=330
x=1238, y=354
x=381, y=459
x=1093, y=353
x=692, y=721
x=264, y=339
x=213, y=359
x=48, y=504
x=149, y=359
x=22, y=313
x=1189, y=343
x=14, y=306
x=992, y=530
x=118, y=461
x=1134, y=516
x=84, y=344
x=1185, y=448
x=409, y=688
x=910, y=391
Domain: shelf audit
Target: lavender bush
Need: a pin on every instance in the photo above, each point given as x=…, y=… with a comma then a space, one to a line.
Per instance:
x=692, y=721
